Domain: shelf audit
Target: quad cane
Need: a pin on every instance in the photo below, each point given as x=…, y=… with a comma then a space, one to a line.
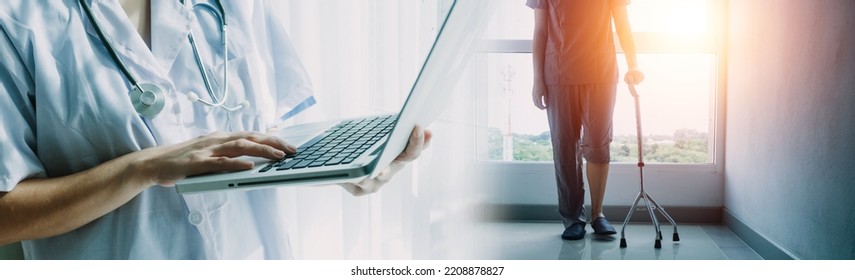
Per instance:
x=642, y=195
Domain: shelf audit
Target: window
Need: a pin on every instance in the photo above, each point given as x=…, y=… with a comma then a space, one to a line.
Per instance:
x=676, y=53
x=679, y=48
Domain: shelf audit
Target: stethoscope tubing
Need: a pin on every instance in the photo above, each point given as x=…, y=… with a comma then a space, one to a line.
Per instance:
x=219, y=13
x=109, y=44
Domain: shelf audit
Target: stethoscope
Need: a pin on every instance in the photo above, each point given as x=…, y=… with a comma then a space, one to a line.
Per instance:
x=148, y=99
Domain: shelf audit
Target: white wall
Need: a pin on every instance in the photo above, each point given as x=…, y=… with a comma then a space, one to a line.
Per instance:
x=790, y=155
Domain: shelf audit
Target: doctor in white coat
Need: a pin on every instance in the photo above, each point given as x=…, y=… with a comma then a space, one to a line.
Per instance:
x=95, y=127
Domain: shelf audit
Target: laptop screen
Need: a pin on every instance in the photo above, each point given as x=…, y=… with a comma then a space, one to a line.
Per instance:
x=454, y=46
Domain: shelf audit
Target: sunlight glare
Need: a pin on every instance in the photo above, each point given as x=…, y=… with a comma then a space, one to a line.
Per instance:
x=672, y=16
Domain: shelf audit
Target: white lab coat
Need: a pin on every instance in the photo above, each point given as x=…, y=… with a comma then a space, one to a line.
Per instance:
x=65, y=108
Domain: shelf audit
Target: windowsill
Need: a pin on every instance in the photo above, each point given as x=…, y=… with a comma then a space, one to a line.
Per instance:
x=692, y=185
x=615, y=167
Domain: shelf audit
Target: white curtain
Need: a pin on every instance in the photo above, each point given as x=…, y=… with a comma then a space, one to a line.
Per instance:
x=363, y=57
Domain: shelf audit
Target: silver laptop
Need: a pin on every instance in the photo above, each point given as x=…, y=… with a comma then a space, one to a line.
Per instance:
x=355, y=149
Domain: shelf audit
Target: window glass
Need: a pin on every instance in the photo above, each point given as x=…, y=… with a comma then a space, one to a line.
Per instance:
x=676, y=105
x=678, y=97
x=670, y=16
x=512, y=20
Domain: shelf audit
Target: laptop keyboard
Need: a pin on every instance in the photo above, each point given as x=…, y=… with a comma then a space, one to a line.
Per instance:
x=341, y=144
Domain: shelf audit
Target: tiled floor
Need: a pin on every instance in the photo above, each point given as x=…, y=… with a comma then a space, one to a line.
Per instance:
x=541, y=241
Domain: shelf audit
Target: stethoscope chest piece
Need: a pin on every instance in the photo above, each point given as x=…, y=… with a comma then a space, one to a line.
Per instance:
x=148, y=100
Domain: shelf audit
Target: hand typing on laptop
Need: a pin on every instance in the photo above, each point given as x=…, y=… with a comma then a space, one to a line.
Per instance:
x=218, y=152
x=215, y=152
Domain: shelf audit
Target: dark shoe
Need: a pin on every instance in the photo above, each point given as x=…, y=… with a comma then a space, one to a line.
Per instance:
x=574, y=232
x=602, y=227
